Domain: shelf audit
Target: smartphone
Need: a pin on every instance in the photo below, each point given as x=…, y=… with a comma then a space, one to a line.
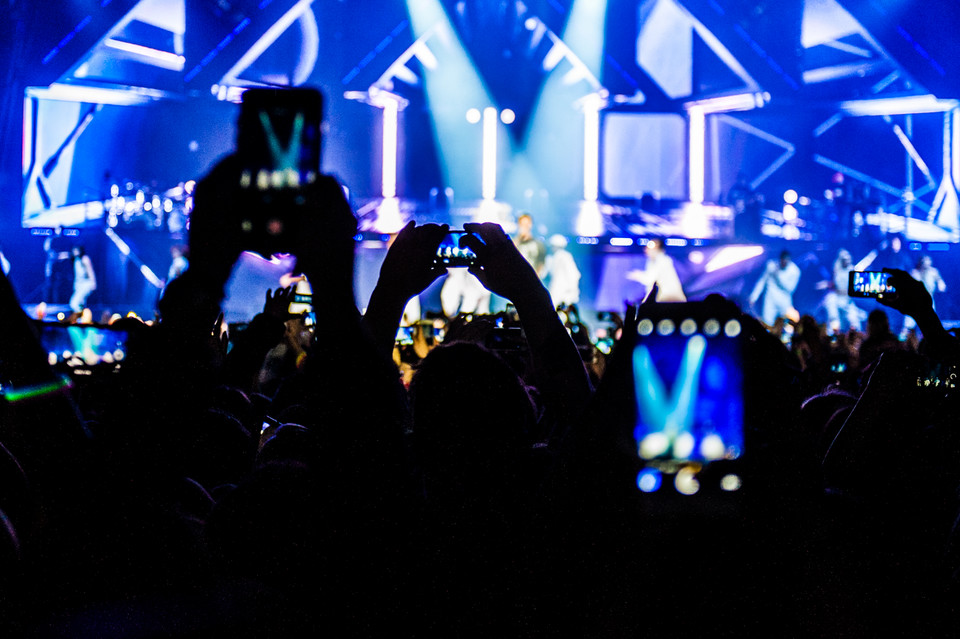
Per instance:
x=869, y=284
x=404, y=336
x=688, y=393
x=81, y=349
x=278, y=138
x=301, y=303
x=506, y=338
x=278, y=143
x=451, y=254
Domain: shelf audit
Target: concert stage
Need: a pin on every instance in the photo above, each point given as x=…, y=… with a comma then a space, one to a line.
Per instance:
x=731, y=129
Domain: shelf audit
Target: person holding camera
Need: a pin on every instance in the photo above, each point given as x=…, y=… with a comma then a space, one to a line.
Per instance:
x=84, y=279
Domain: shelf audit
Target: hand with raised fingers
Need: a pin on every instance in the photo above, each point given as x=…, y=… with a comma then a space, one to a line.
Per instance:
x=410, y=265
x=911, y=297
x=500, y=266
x=277, y=303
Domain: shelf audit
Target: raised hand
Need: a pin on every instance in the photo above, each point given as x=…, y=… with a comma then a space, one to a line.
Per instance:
x=500, y=267
x=324, y=239
x=215, y=234
x=911, y=298
x=408, y=268
x=278, y=301
x=410, y=264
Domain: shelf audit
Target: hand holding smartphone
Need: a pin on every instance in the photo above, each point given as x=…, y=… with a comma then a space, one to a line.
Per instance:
x=278, y=143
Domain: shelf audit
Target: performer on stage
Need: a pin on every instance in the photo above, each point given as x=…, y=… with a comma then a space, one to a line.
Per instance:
x=462, y=292
x=838, y=299
x=777, y=284
x=562, y=274
x=660, y=271
x=930, y=277
x=84, y=280
x=178, y=262
x=530, y=247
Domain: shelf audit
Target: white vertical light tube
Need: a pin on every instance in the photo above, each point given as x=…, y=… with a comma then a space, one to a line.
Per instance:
x=908, y=208
x=388, y=177
x=696, y=155
x=954, y=120
x=591, y=152
x=488, y=188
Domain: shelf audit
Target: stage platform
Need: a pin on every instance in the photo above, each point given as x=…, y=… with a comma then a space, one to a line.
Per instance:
x=132, y=259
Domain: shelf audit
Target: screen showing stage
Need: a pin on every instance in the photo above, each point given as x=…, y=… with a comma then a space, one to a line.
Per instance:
x=644, y=153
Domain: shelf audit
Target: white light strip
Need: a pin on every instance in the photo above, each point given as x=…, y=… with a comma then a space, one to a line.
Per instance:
x=591, y=153
x=730, y=255
x=898, y=106
x=266, y=41
x=159, y=58
x=849, y=48
x=125, y=96
x=118, y=241
x=695, y=166
x=389, y=160
x=839, y=72
x=912, y=151
x=738, y=102
x=150, y=276
x=954, y=119
x=827, y=124
x=423, y=53
x=488, y=187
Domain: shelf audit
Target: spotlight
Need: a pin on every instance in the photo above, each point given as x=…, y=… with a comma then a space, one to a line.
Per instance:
x=507, y=116
x=790, y=196
x=473, y=116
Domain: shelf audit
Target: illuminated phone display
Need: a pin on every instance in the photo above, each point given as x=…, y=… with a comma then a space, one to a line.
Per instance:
x=689, y=394
x=869, y=284
x=80, y=348
x=451, y=254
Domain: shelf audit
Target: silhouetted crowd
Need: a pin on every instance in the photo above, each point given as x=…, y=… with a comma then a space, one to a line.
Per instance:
x=286, y=481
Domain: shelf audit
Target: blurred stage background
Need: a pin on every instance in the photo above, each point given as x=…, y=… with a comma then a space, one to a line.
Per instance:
x=734, y=128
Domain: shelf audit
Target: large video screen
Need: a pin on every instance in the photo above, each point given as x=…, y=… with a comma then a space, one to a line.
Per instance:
x=78, y=155
x=644, y=153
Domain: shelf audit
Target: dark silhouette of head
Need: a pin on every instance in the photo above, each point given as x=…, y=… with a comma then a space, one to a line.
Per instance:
x=471, y=418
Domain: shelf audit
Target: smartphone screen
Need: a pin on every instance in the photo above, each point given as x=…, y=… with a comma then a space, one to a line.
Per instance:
x=278, y=138
x=689, y=394
x=404, y=336
x=869, y=284
x=302, y=299
x=278, y=145
x=81, y=349
x=451, y=254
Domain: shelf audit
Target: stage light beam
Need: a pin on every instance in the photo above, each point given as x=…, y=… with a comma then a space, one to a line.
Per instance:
x=452, y=88
x=560, y=120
